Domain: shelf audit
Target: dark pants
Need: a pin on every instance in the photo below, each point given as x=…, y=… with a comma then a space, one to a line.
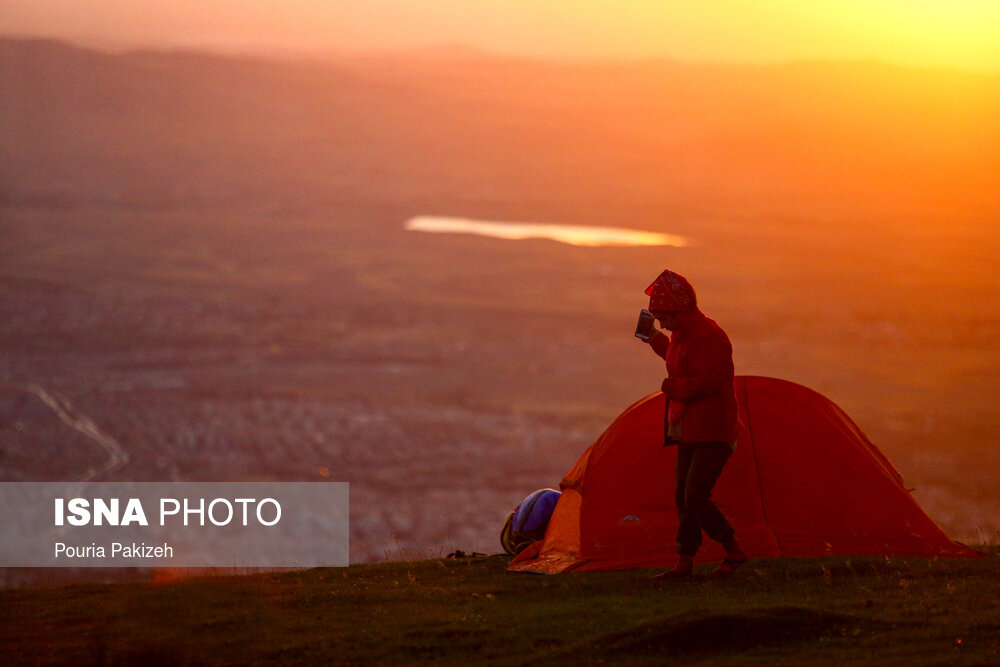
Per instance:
x=698, y=467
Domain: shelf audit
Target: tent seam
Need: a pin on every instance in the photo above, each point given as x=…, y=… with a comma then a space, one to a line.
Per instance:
x=756, y=465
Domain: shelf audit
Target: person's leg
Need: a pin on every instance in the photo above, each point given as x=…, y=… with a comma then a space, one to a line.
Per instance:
x=706, y=465
x=688, y=523
x=686, y=545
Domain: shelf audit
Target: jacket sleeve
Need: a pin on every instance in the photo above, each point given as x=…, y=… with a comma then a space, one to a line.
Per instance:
x=711, y=371
x=659, y=343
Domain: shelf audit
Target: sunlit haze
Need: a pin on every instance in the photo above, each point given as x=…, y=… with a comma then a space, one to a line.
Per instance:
x=929, y=33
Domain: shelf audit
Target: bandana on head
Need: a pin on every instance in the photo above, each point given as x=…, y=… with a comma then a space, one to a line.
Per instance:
x=670, y=291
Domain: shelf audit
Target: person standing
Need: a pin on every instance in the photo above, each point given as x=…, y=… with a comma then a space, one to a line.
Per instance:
x=702, y=417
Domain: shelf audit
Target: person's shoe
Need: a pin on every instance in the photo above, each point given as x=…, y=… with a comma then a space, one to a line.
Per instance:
x=734, y=558
x=683, y=569
x=728, y=566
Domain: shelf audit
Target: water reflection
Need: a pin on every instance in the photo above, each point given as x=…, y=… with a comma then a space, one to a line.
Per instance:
x=572, y=234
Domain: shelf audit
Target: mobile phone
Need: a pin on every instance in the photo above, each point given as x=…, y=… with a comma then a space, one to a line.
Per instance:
x=644, y=327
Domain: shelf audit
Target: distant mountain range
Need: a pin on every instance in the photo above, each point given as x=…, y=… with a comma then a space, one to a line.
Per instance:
x=156, y=129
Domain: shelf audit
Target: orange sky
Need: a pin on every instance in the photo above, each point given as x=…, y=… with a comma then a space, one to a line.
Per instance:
x=954, y=33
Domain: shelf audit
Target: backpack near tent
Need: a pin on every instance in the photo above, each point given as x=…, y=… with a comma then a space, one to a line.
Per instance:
x=804, y=481
x=529, y=520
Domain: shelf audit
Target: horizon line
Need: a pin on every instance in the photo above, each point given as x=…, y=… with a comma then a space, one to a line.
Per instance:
x=457, y=51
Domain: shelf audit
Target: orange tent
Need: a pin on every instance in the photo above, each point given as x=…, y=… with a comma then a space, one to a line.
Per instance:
x=804, y=481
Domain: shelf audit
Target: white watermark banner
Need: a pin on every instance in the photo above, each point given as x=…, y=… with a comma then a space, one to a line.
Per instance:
x=174, y=524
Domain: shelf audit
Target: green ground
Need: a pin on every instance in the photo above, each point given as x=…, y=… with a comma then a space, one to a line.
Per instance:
x=470, y=611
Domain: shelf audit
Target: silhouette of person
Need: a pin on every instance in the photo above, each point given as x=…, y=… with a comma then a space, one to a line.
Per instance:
x=702, y=417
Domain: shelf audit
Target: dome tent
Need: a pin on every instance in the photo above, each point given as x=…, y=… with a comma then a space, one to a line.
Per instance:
x=803, y=481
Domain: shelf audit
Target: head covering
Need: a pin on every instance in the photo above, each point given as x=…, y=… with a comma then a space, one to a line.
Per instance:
x=671, y=291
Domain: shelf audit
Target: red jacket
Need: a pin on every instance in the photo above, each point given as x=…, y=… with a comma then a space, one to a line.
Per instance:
x=700, y=391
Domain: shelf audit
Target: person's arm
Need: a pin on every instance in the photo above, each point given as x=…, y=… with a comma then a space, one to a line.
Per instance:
x=659, y=342
x=712, y=371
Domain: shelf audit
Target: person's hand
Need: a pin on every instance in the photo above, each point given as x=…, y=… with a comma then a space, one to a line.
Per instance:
x=667, y=387
x=652, y=336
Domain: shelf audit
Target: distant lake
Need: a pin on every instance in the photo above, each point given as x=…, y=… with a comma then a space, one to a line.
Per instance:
x=573, y=234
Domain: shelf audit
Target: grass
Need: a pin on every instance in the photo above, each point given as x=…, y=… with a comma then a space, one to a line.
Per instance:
x=471, y=611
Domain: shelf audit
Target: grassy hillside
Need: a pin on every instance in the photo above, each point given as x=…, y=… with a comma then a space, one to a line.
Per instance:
x=470, y=611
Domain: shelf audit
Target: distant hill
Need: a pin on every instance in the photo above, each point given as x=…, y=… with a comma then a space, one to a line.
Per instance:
x=176, y=128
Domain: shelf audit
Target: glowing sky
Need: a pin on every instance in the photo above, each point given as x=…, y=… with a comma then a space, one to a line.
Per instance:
x=958, y=33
